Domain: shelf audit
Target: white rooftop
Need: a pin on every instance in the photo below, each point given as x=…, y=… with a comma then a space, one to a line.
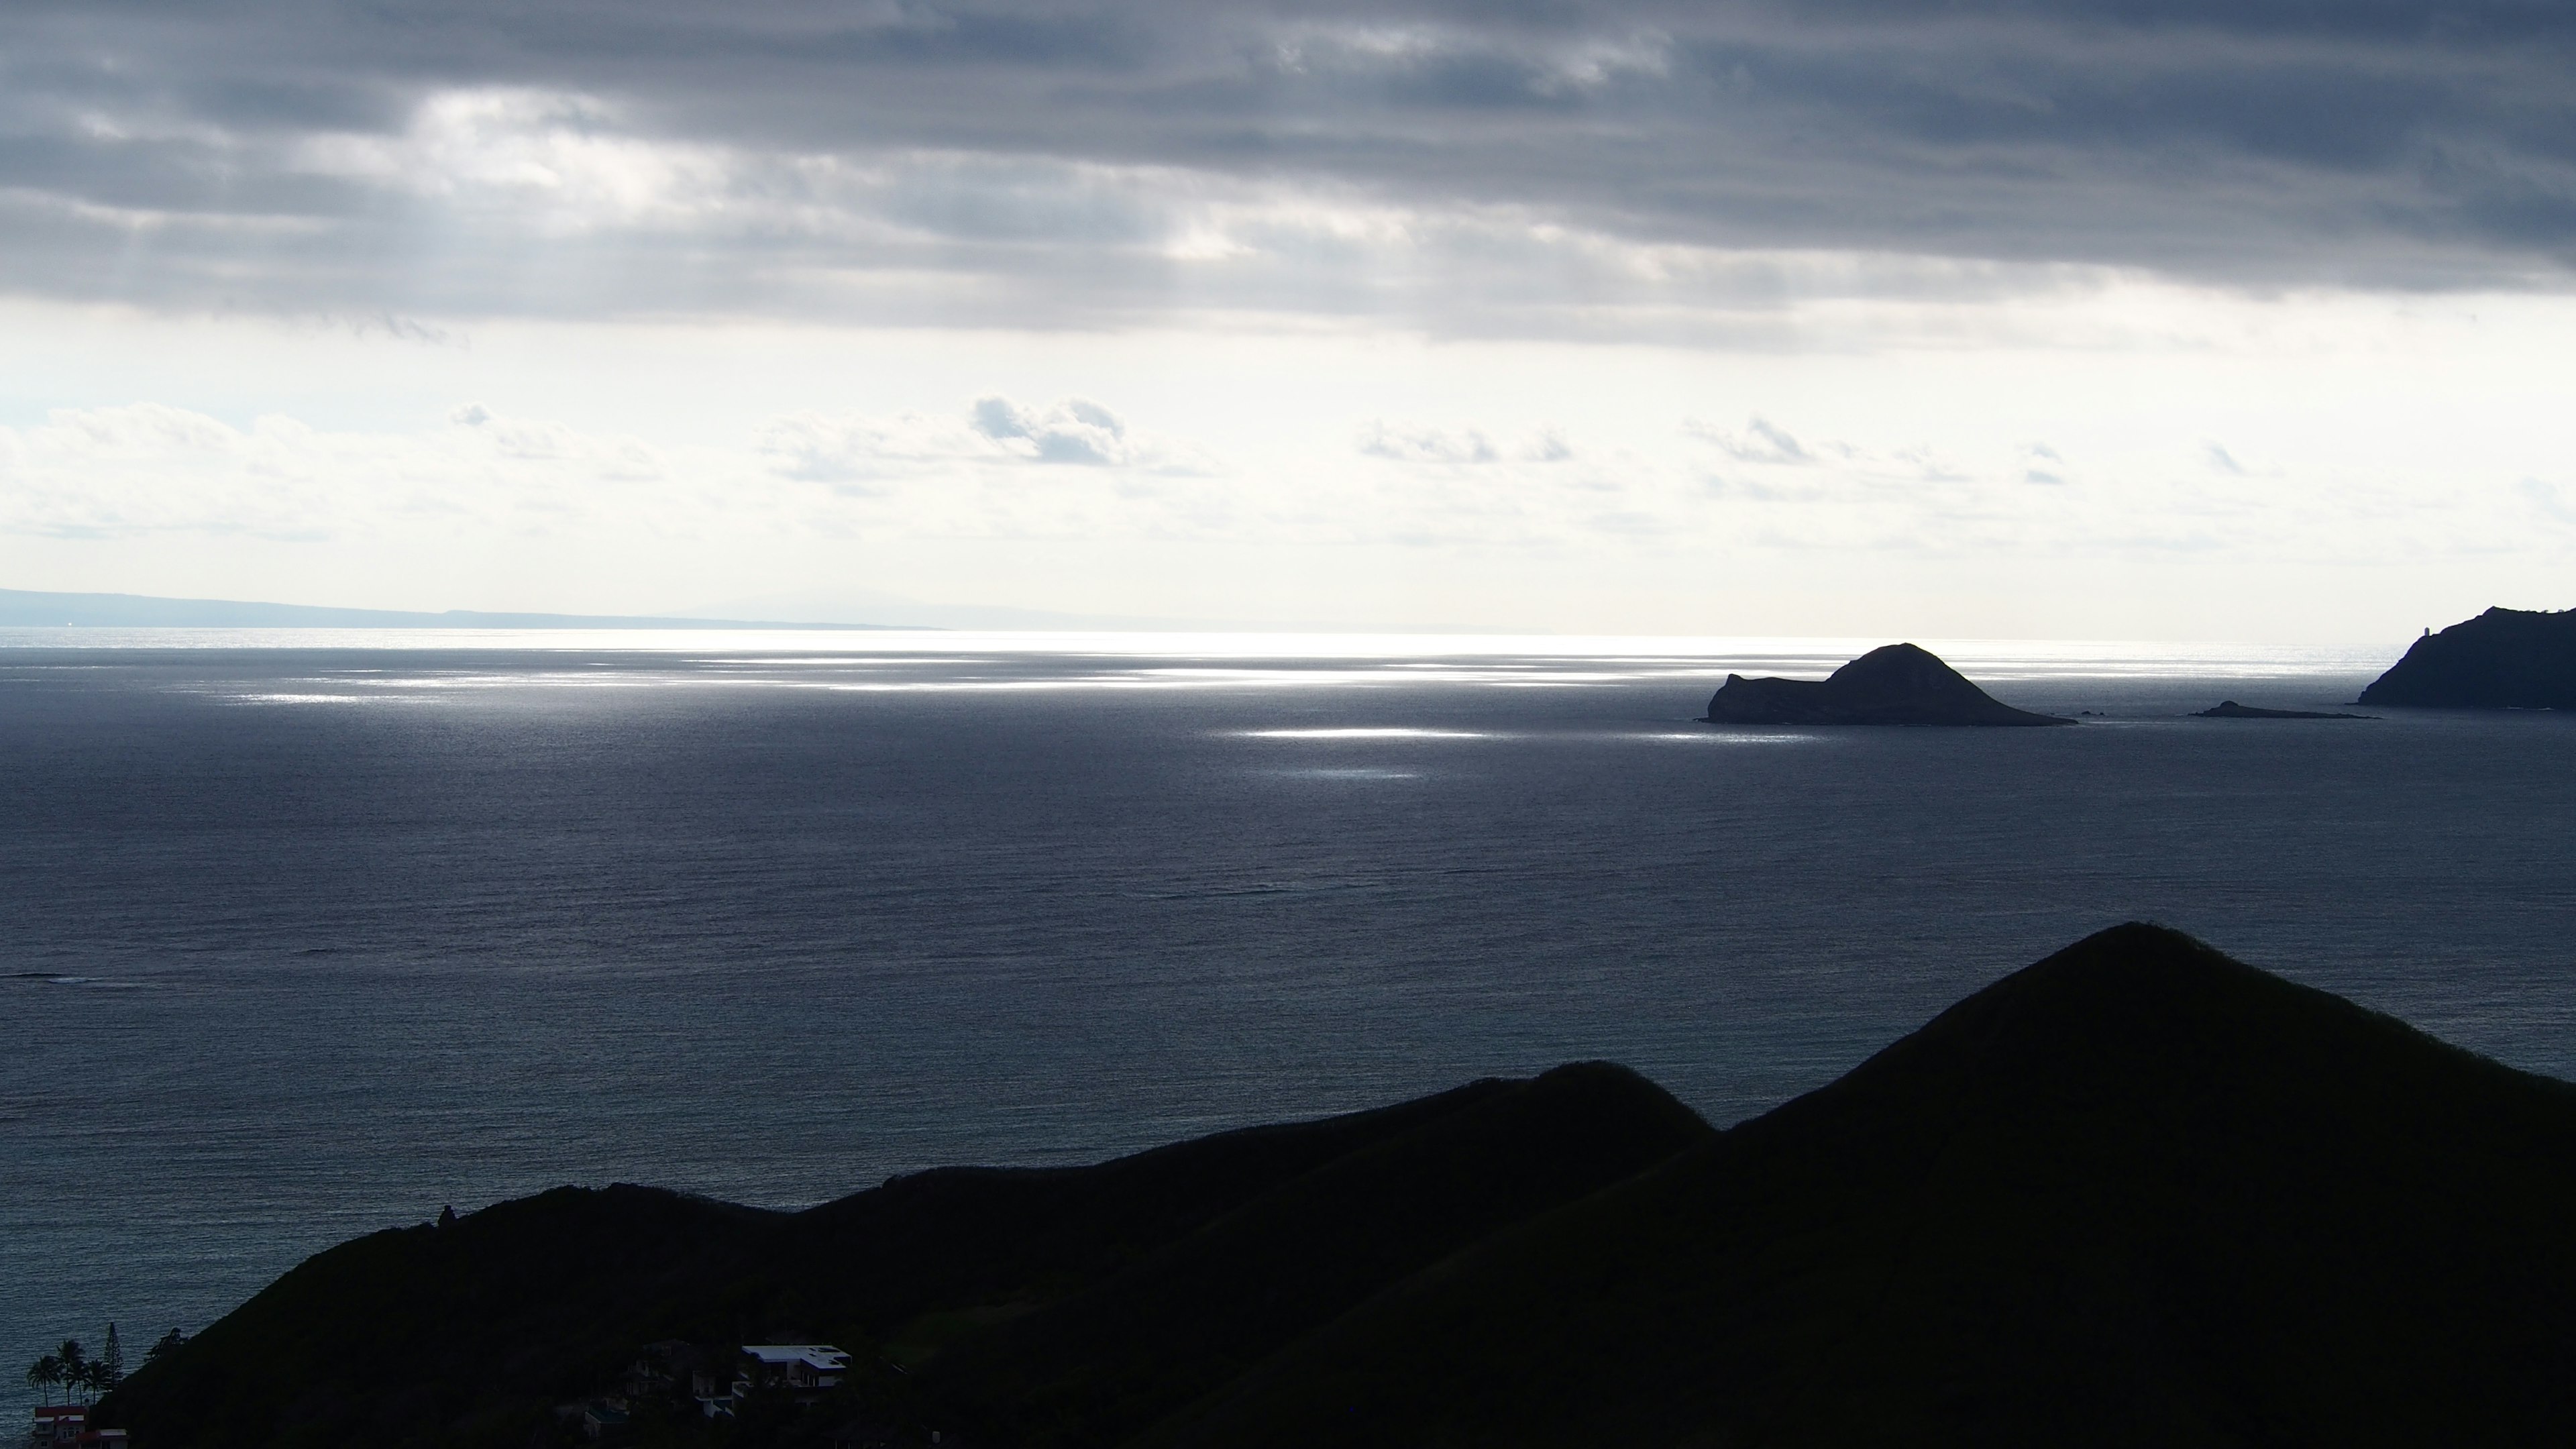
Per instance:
x=812, y=1355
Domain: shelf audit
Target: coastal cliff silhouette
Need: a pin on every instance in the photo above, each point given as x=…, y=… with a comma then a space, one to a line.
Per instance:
x=2138, y=1193
x=2502, y=659
x=1899, y=684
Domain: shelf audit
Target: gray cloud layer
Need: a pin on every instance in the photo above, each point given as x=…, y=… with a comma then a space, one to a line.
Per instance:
x=1064, y=163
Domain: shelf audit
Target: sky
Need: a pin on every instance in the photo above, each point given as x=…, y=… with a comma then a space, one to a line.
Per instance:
x=2164, y=319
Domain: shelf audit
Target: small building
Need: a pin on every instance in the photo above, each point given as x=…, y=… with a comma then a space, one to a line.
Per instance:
x=803, y=1367
x=58, y=1424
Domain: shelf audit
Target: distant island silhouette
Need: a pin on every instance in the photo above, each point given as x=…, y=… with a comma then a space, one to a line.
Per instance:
x=2230, y=709
x=2138, y=1191
x=21, y=609
x=1900, y=684
x=2502, y=659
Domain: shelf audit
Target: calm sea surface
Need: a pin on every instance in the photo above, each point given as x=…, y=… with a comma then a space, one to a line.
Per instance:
x=307, y=935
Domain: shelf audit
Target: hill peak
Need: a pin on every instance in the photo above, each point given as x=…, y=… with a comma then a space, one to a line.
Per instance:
x=2129, y=989
x=2137, y=1193
x=1895, y=684
x=2143, y=1024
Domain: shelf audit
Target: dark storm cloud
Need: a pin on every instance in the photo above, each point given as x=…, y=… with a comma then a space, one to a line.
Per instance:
x=1055, y=161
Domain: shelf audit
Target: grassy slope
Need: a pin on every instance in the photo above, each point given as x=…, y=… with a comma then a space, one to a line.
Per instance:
x=2137, y=1193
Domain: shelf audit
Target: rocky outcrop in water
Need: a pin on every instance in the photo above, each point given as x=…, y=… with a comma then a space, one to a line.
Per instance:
x=2230, y=709
x=2502, y=659
x=1898, y=685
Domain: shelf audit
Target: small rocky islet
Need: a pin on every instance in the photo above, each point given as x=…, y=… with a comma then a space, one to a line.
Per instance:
x=1900, y=684
x=2230, y=709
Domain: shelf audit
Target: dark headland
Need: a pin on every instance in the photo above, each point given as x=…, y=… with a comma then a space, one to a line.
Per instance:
x=2138, y=1193
x=2502, y=659
x=1897, y=685
x=2230, y=709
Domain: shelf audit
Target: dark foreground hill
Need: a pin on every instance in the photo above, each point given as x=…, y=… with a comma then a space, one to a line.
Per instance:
x=1900, y=684
x=2137, y=1193
x=1206, y=1256
x=2502, y=659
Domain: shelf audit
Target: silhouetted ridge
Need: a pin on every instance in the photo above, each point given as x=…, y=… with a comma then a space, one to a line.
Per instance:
x=1113, y=1360
x=472, y=1333
x=2502, y=659
x=1899, y=684
x=404, y=1333
x=2137, y=1193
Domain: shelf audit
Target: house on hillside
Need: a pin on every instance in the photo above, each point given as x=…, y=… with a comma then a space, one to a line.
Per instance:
x=58, y=1424
x=66, y=1426
x=799, y=1368
x=794, y=1365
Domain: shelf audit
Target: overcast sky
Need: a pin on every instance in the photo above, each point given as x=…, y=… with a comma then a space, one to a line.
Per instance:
x=2152, y=318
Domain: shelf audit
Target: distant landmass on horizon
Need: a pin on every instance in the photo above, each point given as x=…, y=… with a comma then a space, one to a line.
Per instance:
x=2502, y=659
x=23, y=609
x=1900, y=684
x=846, y=610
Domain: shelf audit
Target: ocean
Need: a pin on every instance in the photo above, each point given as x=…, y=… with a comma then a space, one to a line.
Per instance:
x=311, y=934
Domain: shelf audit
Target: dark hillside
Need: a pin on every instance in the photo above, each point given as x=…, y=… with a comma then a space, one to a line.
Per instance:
x=2502, y=659
x=1183, y=1321
x=2135, y=1194
x=469, y=1333
x=469, y=1326
x=2138, y=1193
x=876, y=1260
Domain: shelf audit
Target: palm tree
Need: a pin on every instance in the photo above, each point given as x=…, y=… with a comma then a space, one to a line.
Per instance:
x=74, y=1375
x=43, y=1374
